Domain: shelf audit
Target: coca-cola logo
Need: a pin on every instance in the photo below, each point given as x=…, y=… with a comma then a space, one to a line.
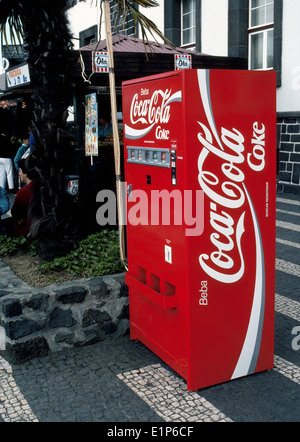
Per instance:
x=222, y=180
x=152, y=111
x=226, y=235
x=229, y=194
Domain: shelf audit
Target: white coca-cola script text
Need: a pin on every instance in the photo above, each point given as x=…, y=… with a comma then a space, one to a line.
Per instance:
x=228, y=194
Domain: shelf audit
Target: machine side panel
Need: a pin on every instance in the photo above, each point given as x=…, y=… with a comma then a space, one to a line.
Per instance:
x=232, y=155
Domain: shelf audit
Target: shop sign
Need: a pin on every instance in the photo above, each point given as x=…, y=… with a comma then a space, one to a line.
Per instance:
x=18, y=76
x=91, y=125
x=72, y=185
x=100, y=61
x=183, y=62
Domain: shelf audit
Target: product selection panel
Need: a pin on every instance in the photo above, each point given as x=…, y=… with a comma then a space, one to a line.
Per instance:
x=149, y=156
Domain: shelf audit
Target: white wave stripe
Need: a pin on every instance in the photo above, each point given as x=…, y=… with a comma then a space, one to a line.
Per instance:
x=288, y=243
x=287, y=369
x=287, y=307
x=287, y=212
x=287, y=267
x=288, y=226
x=131, y=133
x=175, y=97
x=203, y=81
x=13, y=404
x=287, y=201
x=245, y=362
x=177, y=404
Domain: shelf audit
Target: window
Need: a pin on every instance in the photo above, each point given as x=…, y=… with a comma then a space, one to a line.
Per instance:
x=261, y=34
x=188, y=22
x=88, y=36
x=118, y=25
x=71, y=3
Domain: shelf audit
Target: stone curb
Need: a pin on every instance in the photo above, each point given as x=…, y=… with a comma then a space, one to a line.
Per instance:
x=37, y=321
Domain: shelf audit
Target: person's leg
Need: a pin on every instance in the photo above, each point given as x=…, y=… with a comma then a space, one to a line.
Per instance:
x=2, y=175
x=9, y=172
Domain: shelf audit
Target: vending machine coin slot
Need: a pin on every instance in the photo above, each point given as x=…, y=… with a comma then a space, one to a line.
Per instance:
x=173, y=167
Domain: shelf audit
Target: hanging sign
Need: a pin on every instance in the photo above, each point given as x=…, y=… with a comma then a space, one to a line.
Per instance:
x=100, y=61
x=183, y=62
x=91, y=125
x=18, y=76
x=4, y=64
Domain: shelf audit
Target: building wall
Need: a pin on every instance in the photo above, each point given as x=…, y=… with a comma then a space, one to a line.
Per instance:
x=82, y=16
x=288, y=130
x=214, y=27
x=288, y=95
x=288, y=101
x=221, y=31
x=157, y=16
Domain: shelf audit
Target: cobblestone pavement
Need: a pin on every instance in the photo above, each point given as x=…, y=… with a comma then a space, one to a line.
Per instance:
x=122, y=381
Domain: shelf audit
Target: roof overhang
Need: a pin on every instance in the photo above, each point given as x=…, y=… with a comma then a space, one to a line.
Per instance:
x=134, y=58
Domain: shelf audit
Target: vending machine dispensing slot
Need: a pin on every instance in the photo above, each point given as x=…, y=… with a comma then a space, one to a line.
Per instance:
x=200, y=163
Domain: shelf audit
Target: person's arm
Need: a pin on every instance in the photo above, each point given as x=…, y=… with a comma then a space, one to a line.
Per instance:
x=19, y=155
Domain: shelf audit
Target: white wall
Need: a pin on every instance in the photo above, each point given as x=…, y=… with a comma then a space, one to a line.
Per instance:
x=87, y=14
x=155, y=14
x=83, y=16
x=214, y=29
x=288, y=95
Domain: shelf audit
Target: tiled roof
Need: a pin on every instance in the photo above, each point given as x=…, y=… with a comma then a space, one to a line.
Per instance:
x=123, y=43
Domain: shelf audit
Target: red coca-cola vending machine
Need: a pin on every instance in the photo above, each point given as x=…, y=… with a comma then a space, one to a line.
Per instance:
x=200, y=170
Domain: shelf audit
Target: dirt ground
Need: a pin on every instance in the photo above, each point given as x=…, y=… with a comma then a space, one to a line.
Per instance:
x=24, y=266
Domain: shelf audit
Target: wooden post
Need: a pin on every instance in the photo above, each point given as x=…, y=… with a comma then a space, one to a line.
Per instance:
x=116, y=140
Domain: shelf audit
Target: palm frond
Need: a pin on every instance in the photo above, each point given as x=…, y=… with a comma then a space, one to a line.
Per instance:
x=11, y=9
x=11, y=20
x=147, y=26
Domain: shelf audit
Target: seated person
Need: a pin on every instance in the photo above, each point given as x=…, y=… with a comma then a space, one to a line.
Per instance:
x=19, y=211
x=105, y=128
x=22, y=150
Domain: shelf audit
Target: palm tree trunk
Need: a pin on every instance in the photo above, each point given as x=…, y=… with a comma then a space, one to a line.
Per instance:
x=48, y=47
